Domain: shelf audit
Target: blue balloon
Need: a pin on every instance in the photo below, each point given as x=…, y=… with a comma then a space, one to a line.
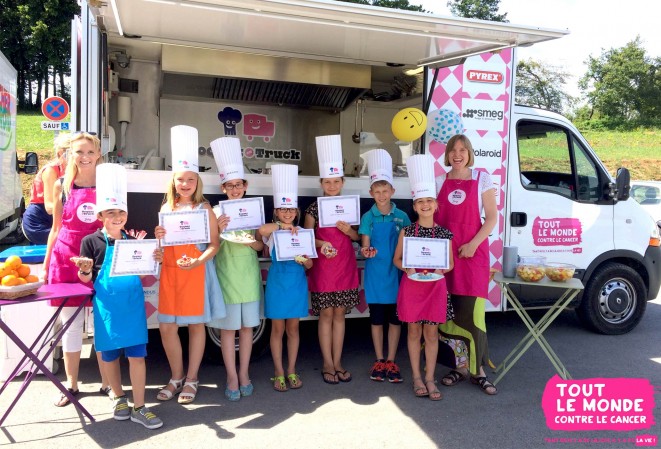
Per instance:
x=442, y=124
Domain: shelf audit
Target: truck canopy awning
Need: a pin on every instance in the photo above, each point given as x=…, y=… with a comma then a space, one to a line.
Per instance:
x=321, y=30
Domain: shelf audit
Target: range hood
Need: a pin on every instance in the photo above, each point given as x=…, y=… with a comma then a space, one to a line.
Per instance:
x=250, y=78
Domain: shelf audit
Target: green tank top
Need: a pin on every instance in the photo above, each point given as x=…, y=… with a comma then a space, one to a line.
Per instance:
x=237, y=268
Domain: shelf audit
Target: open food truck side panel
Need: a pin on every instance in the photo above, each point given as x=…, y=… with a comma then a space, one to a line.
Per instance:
x=12, y=204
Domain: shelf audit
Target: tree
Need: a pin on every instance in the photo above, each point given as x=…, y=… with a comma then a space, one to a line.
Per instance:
x=624, y=84
x=540, y=85
x=395, y=4
x=477, y=9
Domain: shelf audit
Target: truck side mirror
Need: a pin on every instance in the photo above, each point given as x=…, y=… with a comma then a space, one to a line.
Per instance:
x=31, y=164
x=623, y=184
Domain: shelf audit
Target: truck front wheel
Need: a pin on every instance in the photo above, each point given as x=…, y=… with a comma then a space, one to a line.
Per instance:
x=614, y=300
x=260, y=342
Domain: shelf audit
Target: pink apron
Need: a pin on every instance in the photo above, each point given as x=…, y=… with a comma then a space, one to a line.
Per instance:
x=458, y=202
x=78, y=221
x=417, y=301
x=336, y=274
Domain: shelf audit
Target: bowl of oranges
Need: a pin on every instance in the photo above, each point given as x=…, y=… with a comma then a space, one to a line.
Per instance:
x=16, y=279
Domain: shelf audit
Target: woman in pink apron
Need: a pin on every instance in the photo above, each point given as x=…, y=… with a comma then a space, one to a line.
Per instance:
x=462, y=196
x=333, y=283
x=74, y=217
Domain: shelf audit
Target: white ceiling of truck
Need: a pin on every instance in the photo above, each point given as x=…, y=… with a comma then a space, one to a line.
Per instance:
x=326, y=30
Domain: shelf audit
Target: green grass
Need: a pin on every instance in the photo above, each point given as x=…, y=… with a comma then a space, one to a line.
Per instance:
x=30, y=136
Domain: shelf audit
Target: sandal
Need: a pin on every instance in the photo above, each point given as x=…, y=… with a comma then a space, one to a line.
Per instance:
x=485, y=385
x=347, y=376
x=105, y=390
x=232, y=395
x=62, y=400
x=453, y=378
x=188, y=397
x=434, y=393
x=279, y=383
x=165, y=394
x=295, y=381
x=419, y=391
x=330, y=378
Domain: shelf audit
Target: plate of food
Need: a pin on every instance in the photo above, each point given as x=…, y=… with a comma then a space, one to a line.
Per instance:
x=238, y=237
x=300, y=259
x=184, y=261
x=425, y=276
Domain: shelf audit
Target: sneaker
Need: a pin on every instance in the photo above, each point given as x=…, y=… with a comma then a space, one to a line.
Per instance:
x=378, y=371
x=146, y=417
x=120, y=409
x=392, y=372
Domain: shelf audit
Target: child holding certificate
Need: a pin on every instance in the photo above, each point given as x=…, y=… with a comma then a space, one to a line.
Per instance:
x=334, y=276
x=120, y=321
x=238, y=271
x=379, y=229
x=286, y=297
x=423, y=303
x=188, y=293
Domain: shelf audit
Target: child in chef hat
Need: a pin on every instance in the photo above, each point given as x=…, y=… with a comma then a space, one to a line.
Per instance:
x=333, y=279
x=379, y=229
x=189, y=293
x=237, y=267
x=120, y=321
x=286, y=296
x=423, y=305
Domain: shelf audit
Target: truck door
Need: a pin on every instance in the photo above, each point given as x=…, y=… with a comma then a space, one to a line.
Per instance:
x=558, y=206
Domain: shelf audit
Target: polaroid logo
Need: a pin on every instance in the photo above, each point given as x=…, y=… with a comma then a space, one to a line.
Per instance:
x=488, y=153
x=483, y=114
x=483, y=76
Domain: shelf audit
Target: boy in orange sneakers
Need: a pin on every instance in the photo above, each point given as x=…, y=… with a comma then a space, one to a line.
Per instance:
x=379, y=229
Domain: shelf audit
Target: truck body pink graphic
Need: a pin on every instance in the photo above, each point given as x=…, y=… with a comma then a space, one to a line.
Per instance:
x=557, y=231
x=256, y=125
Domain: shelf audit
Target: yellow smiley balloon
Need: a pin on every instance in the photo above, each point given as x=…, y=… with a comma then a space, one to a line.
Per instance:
x=409, y=124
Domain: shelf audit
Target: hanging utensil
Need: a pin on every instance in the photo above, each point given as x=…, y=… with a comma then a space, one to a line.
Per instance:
x=356, y=137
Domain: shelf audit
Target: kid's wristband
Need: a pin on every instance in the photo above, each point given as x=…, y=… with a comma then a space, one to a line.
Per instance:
x=84, y=273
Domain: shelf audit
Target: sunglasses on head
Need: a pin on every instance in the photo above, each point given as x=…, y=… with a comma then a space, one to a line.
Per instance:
x=75, y=133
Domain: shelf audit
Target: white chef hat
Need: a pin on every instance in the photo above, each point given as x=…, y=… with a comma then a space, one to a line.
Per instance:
x=184, y=147
x=379, y=166
x=284, y=178
x=227, y=154
x=110, y=187
x=329, y=155
x=420, y=168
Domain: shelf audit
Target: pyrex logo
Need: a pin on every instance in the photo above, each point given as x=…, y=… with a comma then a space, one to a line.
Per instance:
x=487, y=114
x=484, y=76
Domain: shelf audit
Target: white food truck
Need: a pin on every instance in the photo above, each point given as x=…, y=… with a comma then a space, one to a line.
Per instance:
x=276, y=74
x=12, y=204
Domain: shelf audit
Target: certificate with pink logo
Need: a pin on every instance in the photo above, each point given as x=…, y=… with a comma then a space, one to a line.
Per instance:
x=184, y=227
x=244, y=213
x=288, y=245
x=338, y=208
x=421, y=252
x=131, y=257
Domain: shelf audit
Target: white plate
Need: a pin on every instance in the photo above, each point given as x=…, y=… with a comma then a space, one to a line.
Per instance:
x=236, y=237
x=429, y=277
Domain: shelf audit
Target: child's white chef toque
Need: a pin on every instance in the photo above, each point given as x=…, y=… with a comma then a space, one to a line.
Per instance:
x=284, y=178
x=420, y=168
x=184, y=147
x=379, y=166
x=227, y=154
x=329, y=155
x=111, y=187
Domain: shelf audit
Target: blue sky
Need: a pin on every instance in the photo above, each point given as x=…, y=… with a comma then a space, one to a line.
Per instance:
x=594, y=25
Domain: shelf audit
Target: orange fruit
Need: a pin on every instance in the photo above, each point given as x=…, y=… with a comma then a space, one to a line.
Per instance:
x=21, y=281
x=4, y=270
x=13, y=262
x=10, y=280
x=13, y=272
x=31, y=278
x=23, y=270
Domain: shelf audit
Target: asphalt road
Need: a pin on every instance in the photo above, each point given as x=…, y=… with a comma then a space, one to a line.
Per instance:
x=361, y=413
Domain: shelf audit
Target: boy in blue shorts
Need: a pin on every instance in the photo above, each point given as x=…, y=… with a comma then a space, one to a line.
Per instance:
x=379, y=229
x=120, y=321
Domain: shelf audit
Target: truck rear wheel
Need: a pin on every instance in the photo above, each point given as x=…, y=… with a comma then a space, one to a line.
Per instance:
x=614, y=300
x=260, y=342
x=16, y=236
